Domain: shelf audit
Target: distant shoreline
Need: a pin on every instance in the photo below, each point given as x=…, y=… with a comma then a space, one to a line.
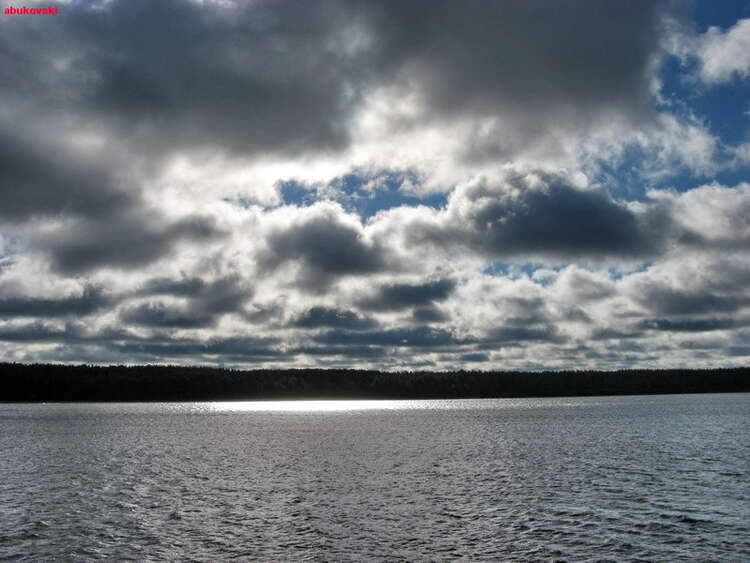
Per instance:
x=81, y=383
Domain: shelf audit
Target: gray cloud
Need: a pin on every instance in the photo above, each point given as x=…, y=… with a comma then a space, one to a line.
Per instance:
x=252, y=77
x=530, y=63
x=738, y=351
x=474, y=357
x=326, y=247
x=108, y=101
x=558, y=221
x=264, y=313
x=110, y=343
x=516, y=334
x=206, y=301
x=229, y=348
x=185, y=287
x=223, y=295
x=584, y=286
x=538, y=216
x=286, y=77
x=689, y=325
x=159, y=315
x=429, y=314
x=35, y=332
x=91, y=300
x=421, y=337
x=40, y=178
x=614, y=334
x=318, y=317
x=403, y=295
x=133, y=239
x=70, y=332
x=480, y=55
x=524, y=311
x=667, y=300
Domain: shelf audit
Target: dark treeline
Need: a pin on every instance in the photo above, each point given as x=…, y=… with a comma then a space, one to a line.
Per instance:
x=49, y=382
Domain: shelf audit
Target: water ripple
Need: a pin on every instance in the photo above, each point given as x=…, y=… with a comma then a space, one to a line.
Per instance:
x=597, y=479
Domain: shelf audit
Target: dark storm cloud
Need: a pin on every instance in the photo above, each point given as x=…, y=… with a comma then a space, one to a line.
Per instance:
x=240, y=348
x=421, y=337
x=611, y=333
x=667, y=300
x=395, y=297
x=91, y=300
x=559, y=221
x=690, y=325
x=261, y=76
x=738, y=351
x=126, y=345
x=474, y=357
x=317, y=317
x=285, y=76
x=429, y=315
x=70, y=332
x=534, y=215
x=532, y=62
x=34, y=332
x=477, y=54
x=92, y=195
x=222, y=295
x=129, y=240
x=38, y=178
x=516, y=334
x=206, y=301
x=326, y=247
x=159, y=315
x=185, y=287
x=703, y=344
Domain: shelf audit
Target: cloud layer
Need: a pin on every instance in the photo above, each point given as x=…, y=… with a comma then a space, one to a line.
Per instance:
x=371, y=184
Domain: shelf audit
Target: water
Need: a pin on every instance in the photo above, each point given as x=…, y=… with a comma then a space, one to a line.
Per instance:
x=602, y=478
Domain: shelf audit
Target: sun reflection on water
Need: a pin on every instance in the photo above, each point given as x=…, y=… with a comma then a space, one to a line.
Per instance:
x=306, y=406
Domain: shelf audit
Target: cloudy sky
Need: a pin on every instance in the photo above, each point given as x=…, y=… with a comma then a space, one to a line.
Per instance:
x=400, y=185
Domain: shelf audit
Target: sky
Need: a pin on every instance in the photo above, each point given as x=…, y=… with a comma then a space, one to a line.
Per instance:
x=515, y=185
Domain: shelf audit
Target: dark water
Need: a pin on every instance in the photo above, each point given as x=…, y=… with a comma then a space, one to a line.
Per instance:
x=608, y=478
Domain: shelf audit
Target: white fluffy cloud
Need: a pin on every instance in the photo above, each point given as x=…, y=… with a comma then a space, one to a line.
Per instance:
x=724, y=54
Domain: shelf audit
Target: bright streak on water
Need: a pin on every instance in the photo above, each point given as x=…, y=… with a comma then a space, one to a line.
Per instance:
x=305, y=406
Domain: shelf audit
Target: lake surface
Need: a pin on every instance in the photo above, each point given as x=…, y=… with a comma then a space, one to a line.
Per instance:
x=601, y=478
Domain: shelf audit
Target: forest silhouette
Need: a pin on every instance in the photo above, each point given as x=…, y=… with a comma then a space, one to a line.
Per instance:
x=55, y=382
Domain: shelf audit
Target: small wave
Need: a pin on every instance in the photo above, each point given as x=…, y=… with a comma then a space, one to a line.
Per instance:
x=691, y=520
